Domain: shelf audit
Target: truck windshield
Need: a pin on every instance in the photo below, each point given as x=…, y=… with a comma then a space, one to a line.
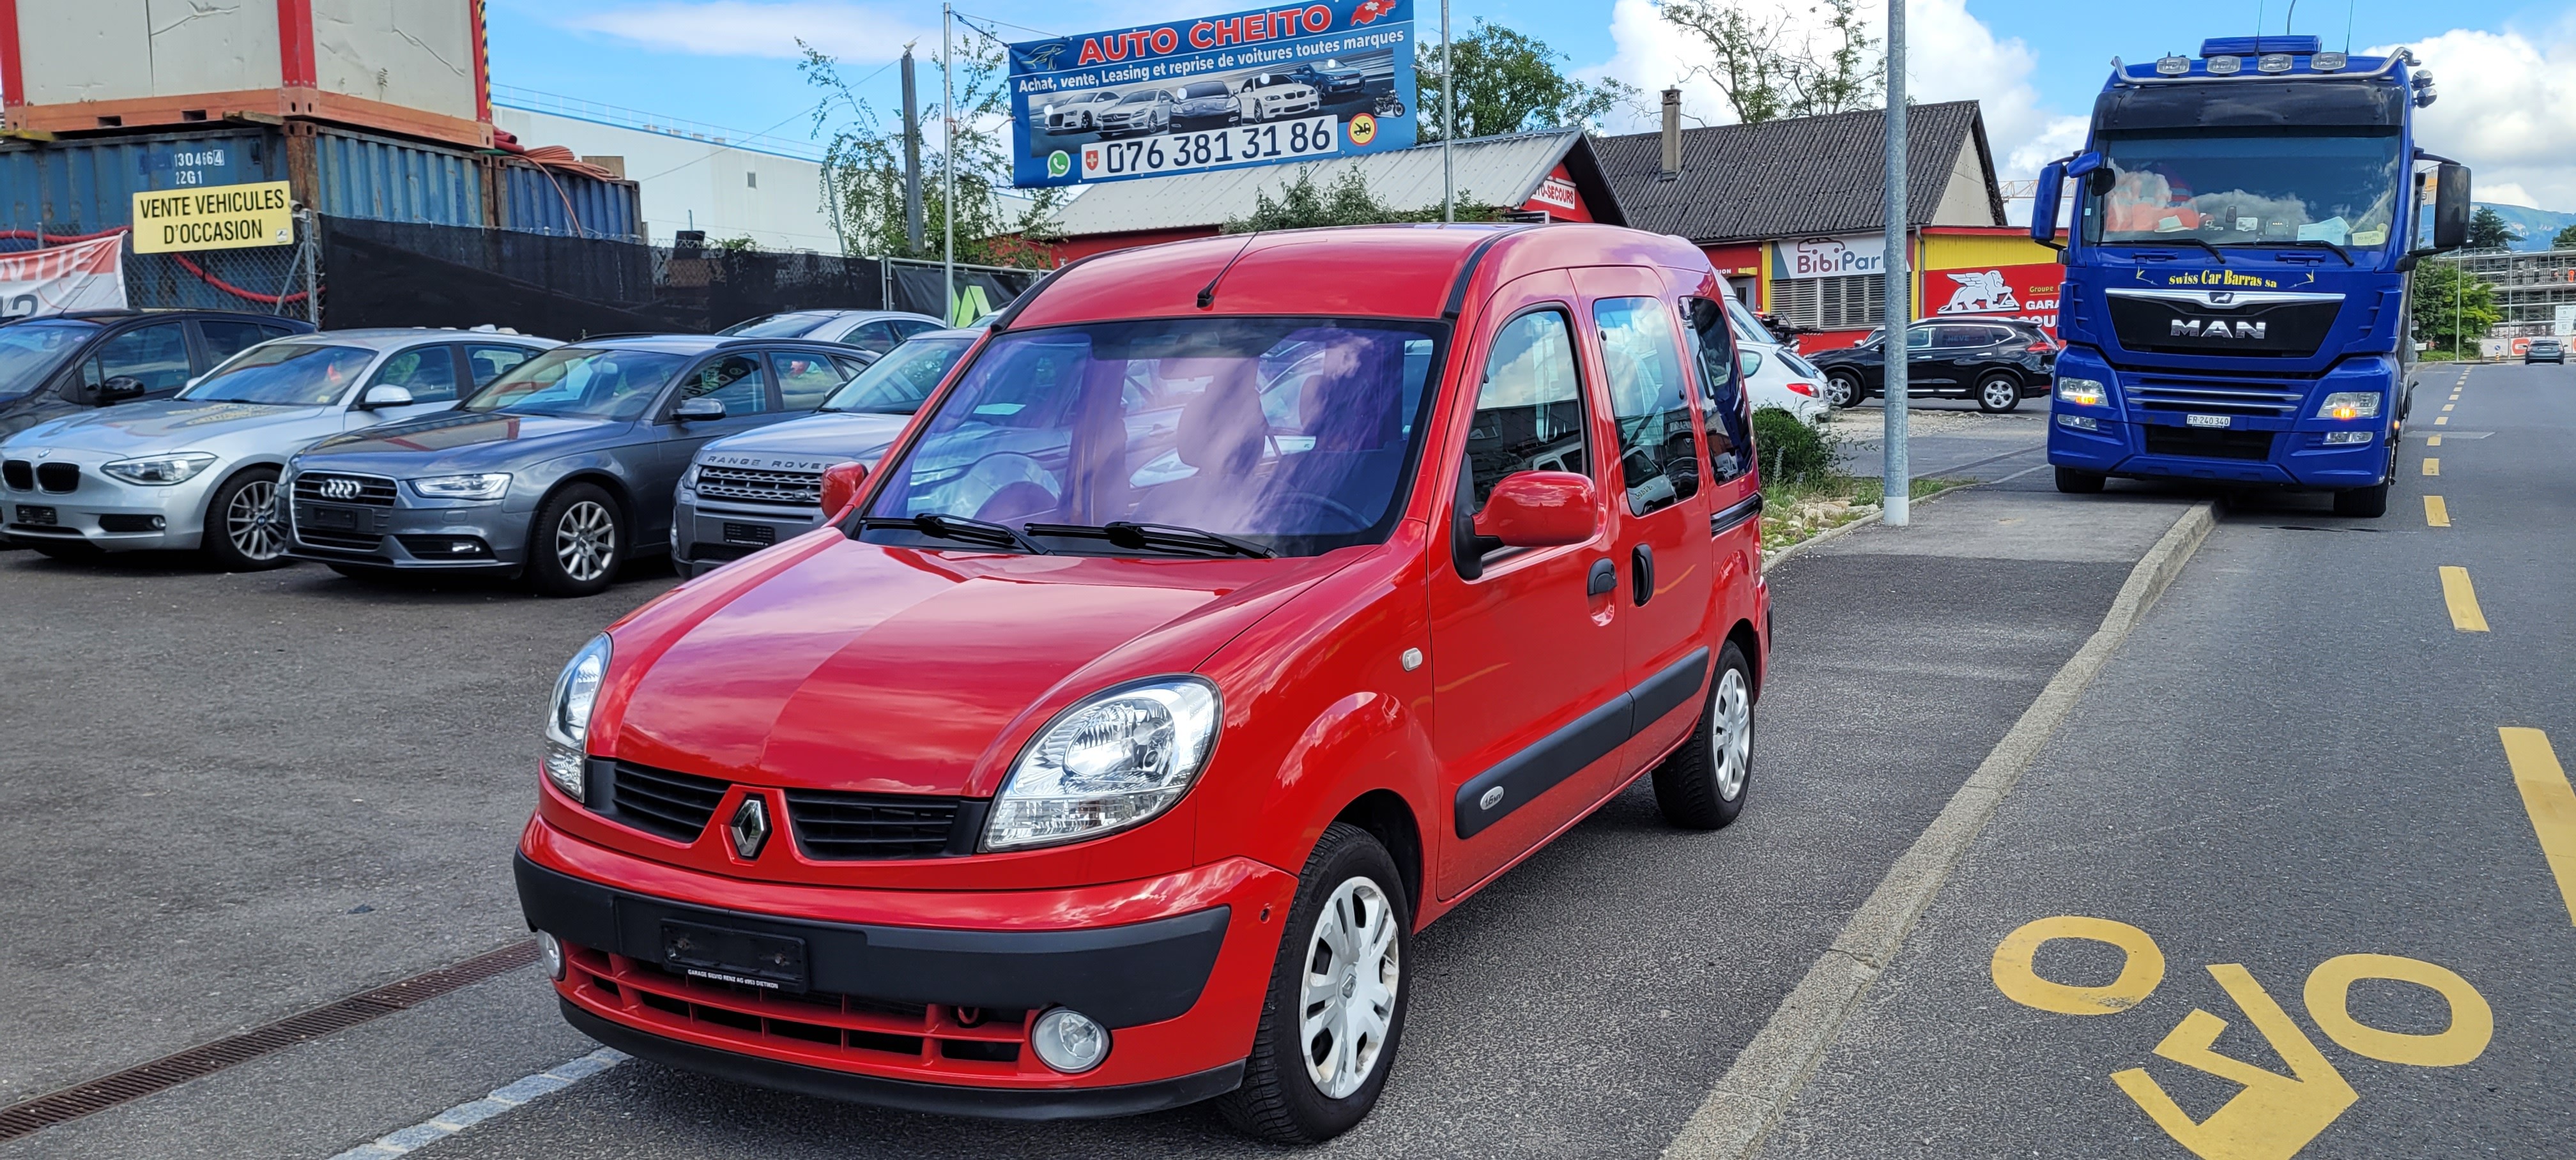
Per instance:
x=2244, y=190
x=1291, y=434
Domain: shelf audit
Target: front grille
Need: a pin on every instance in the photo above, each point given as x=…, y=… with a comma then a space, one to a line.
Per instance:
x=758, y=535
x=19, y=474
x=334, y=487
x=784, y=488
x=58, y=476
x=342, y=541
x=833, y=826
x=2215, y=396
x=2204, y=443
x=662, y=802
x=706, y=553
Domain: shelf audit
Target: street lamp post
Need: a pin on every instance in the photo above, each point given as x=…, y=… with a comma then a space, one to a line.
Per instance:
x=1897, y=488
x=948, y=164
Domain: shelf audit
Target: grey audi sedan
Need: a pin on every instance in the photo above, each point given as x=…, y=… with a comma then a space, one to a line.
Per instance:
x=559, y=470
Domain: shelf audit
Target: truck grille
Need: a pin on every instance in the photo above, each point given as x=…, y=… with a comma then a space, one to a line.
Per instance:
x=662, y=802
x=2215, y=396
x=332, y=487
x=852, y=826
x=784, y=488
x=2200, y=443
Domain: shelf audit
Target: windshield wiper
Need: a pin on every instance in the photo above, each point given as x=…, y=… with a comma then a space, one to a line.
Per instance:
x=2213, y=250
x=959, y=528
x=2298, y=243
x=1136, y=537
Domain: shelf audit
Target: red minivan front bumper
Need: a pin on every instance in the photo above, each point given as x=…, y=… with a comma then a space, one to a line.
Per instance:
x=918, y=999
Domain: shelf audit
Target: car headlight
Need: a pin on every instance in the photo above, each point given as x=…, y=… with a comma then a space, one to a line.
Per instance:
x=689, y=478
x=568, y=717
x=492, y=485
x=161, y=470
x=1111, y=761
x=2350, y=405
x=2083, y=392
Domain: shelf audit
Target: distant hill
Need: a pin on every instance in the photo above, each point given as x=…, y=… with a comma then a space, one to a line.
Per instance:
x=2535, y=226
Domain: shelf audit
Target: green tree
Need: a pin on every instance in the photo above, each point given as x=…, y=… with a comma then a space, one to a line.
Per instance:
x=1508, y=82
x=863, y=168
x=1304, y=204
x=2566, y=239
x=1775, y=62
x=2487, y=230
x=2452, y=309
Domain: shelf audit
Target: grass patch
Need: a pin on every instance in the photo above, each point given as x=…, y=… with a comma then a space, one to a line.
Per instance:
x=1804, y=493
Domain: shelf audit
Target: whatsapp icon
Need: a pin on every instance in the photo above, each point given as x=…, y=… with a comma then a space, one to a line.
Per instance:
x=1059, y=164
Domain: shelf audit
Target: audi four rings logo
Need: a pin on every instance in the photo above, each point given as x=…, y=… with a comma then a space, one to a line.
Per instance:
x=2219, y=328
x=339, y=489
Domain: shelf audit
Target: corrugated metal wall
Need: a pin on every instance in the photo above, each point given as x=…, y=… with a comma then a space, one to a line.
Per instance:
x=362, y=175
x=87, y=186
x=541, y=201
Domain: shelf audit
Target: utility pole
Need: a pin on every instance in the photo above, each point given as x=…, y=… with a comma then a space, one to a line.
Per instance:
x=1448, y=122
x=1899, y=486
x=911, y=159
x=948, y=161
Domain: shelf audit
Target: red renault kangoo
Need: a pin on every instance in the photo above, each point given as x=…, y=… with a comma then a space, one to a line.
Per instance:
x=1233, y=610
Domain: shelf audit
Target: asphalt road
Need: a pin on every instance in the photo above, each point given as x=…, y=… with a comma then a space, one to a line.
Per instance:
x=2296, y=758
x=1945, y=439
x=287, y=788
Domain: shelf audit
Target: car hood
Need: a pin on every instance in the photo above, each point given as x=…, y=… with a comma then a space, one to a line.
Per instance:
x=870, y=668
x=462, y=440
x=832, y=436
x=170, y=425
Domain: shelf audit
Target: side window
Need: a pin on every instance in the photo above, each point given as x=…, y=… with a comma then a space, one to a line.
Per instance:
x=804, y=380
x=156, y=354
x=428, y=372
x=906, y=327
x=226, y=339
x=849, y=367
x=1658, y=458
x=489, y=361
x=1918, y=337
x=871, y=336
x=1730, y=442
x=734, y=380
x=1530, y=410
x=1958, y=337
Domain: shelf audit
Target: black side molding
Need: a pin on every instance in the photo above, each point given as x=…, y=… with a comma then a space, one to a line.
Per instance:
x=1751, y=507
x=1521, y=778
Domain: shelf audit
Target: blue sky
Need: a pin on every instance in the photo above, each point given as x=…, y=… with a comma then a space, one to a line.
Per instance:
x=2507, y=70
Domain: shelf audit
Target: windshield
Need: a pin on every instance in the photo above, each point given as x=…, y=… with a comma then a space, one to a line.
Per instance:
x=1141, y=97
x=2245, y=190
x=1204, y=90
x=284, y=374
x=30, y=351
x=793, y=325
x=897, y=383
x=593, y=384
x=1292, y=434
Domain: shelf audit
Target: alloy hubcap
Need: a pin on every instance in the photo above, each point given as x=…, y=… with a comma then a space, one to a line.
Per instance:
x=586, y=541
x=1842, y=391
x=1730, y=734
x=2000, y=393
x=250, y=521
x=1347, y=1005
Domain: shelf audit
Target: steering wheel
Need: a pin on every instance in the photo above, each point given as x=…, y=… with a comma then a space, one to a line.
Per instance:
x=1328, y=505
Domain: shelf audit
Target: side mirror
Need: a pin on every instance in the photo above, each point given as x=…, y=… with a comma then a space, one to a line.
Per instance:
x=2043, y=203
x=841, y=487
x=699, y=410
x=1541, y=509
x=2450, y=207
x=121, y=389
x=384, y=395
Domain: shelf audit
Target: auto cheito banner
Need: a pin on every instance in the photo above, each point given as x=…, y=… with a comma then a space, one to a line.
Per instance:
x=1250, y=88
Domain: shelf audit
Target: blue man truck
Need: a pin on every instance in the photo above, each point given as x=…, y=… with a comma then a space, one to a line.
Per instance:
x=2245, y=230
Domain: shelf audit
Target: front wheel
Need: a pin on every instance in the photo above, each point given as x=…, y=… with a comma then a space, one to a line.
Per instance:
x=1842, y=390
x=1335, y=1010
x=245, y=527
x=1701, y=786
x=1997, y=394
x=2367, y=503
x=576, y=543
x=2074, y=482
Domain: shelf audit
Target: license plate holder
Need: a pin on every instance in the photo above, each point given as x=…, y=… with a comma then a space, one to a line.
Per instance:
x=2209, y=420
x=37, y=515
x=327, y=519
x=720, y=954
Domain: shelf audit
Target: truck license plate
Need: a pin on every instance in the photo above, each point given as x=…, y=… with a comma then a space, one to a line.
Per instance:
x=2208, y=420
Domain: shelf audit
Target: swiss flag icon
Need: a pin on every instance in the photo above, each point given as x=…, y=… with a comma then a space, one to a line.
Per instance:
x=1371, y=10
x=1091, y=159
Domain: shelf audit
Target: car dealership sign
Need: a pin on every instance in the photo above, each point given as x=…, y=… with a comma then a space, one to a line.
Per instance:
x=84, y=276
x=1220, y=92
x=1829, y=257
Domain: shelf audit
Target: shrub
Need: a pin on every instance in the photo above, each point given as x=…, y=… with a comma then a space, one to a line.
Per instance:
x=1793, y=455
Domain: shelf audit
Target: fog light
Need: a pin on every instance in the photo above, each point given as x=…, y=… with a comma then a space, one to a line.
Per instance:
x=566, y=768
x=2078, y=422
x=550, y=953
x=2348, y=438
x=1069, y=1041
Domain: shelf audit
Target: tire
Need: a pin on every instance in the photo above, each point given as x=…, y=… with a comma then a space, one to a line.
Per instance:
x=2368, y=503
x=2074, y=482
x=1843, y=391
x=1283, y=1099
x=1701, y=786
x=245, y=530
x=576, y=543
x=1998, y=394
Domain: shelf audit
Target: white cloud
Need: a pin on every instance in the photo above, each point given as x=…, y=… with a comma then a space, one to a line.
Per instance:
x=2507, y=193
x=2507, y=109
x=853, y=32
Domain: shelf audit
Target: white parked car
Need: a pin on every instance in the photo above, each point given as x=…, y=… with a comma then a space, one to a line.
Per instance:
x=1270, y=96
x=1775, y=374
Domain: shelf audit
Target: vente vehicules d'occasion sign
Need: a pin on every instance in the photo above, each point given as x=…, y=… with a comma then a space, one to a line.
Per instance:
x=1292, y=83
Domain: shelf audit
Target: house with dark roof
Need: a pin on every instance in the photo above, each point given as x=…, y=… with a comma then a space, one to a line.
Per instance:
x=1794, y=213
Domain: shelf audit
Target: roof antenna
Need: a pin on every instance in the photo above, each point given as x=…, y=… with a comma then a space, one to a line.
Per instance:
x=1207, y=293
x=2347, y=26
x=2294, y=14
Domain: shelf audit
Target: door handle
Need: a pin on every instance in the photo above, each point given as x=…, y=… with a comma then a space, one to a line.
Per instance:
x=1604, y=578
x=1641, y=574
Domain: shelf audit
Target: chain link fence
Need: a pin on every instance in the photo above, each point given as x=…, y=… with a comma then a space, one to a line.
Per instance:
x=259, y=279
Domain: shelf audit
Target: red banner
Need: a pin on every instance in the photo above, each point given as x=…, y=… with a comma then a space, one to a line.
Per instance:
x=85, y=276
x=2024, y=292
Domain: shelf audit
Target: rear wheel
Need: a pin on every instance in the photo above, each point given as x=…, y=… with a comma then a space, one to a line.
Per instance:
x=576, y=543
x=1335, y=1010
x=245, y=527
x=2074, y=482
x=1701, y=786
x=2367, y=503
x=1842, y=390
x=1998, y=393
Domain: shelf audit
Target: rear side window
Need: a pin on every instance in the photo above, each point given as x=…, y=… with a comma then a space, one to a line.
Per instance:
x=489, y=362
x=871, y=336
x=155, y=355
x=1530, y=410
x=804, y=380
x=1658, y=458
x=428, y=372
x=226, y=339
x=734, y=380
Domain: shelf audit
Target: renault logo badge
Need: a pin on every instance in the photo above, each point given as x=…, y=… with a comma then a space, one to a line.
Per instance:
x=749, y=828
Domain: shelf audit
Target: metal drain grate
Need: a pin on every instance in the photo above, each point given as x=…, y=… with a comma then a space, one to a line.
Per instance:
x=169, y=1071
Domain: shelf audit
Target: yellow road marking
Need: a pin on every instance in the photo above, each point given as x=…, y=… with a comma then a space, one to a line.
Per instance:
x=2441, y=420
x=2463, y=599
x=2436, y=513
x=2432, y=466
x=2448, y=406
x=2432, y=441
x=2549, y=801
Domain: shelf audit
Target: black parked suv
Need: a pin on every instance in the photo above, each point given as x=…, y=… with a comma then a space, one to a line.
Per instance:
x=61, y=364
x=1997, y=362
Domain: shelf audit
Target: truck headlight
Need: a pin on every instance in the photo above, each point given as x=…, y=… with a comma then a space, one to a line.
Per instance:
x=2350, y=405
x=1111, y=761
x=2083, y=392
x=568, y=716
x=161, y=470
x=489, y=486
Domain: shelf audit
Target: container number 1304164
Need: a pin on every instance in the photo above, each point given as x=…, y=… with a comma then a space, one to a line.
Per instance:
x=1174, y=152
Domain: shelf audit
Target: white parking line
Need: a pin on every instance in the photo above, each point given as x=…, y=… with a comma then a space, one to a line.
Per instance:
x=472, y=1112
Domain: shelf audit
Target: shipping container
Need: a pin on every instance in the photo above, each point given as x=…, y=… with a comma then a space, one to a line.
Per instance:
x=413, y=67
x=82, y=186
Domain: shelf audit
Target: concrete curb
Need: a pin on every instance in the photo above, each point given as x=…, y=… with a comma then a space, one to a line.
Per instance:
x=1748, y=1100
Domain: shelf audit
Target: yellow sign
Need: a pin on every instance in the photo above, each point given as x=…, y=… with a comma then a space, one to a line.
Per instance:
x=217, y=217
